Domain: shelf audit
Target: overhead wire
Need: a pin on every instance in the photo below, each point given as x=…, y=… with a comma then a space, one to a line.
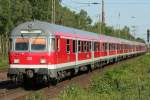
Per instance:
x=120, y=3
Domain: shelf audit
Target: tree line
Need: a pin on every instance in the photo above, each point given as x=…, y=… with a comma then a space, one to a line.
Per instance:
x=15, y=12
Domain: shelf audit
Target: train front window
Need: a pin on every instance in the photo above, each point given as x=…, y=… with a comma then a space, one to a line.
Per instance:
x=22, y=44
x=38, y=44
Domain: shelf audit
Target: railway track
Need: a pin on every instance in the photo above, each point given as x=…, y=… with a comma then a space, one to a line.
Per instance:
x=9, y=91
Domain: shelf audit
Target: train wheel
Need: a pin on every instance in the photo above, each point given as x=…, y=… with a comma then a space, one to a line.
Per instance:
x=29, y=83
x=46, y=80
x=25, y=83
x=72, y=73
x=54, y=81
x=88, y=69
x=14, y=80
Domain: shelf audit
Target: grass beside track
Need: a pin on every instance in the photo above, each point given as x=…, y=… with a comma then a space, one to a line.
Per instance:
x=127, y=81
x=3, y=63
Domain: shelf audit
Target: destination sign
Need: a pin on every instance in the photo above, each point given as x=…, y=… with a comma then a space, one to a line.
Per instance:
x=31, y=32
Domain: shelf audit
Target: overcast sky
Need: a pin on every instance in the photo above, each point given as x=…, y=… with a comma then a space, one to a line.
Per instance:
x=132, y=13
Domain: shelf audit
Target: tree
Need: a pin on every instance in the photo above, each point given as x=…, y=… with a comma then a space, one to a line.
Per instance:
x=140, y=40
x=14, y=12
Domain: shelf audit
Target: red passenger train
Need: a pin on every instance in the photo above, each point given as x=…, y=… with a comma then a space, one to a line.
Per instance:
x=44, y=51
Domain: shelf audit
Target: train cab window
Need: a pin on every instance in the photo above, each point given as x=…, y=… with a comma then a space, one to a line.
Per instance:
x=68, y=46
x=38, y=44
x=22, y=44
x=74, y=46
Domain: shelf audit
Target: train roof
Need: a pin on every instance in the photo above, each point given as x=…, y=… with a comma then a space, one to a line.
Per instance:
x=53, y=29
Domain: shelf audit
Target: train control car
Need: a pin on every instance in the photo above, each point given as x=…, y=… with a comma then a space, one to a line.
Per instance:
x=44, y=51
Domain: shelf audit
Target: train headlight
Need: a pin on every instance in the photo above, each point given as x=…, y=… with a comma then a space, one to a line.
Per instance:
x=43, y=61
x=16, y=61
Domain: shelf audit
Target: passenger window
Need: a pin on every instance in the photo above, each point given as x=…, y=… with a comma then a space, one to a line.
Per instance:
x=109, y=47
x=105, y=48
x=74, y=46
x=58, y=44
x=85, y=46
x=88, y=46
x=68, y=46
x=82, y=45
x=100, y=49
x=94, y=46
x=79, y=46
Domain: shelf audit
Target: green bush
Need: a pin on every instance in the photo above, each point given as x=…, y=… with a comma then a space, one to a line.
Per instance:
x=37, y=96
x=4, y=62
x=127, y=81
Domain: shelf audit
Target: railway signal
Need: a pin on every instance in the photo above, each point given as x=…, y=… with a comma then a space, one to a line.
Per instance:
x=148, y=34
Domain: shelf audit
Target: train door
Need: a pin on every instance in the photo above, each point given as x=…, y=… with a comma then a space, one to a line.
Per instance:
x=63, y=50
x=68, y=50
x=57, y=55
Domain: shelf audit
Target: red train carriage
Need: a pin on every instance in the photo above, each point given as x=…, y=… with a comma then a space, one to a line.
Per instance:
x=45, y=51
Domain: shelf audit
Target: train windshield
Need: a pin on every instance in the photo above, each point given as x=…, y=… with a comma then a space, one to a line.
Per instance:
x=22, y=44
x=38, y=44
x=33, y=44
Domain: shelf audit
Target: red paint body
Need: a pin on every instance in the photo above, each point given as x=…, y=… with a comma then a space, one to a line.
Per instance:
x=60, y=56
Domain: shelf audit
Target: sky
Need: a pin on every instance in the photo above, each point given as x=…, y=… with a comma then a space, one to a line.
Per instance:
x=133, y=13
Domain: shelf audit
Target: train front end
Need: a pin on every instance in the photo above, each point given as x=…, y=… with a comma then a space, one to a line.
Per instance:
x=30, y=52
